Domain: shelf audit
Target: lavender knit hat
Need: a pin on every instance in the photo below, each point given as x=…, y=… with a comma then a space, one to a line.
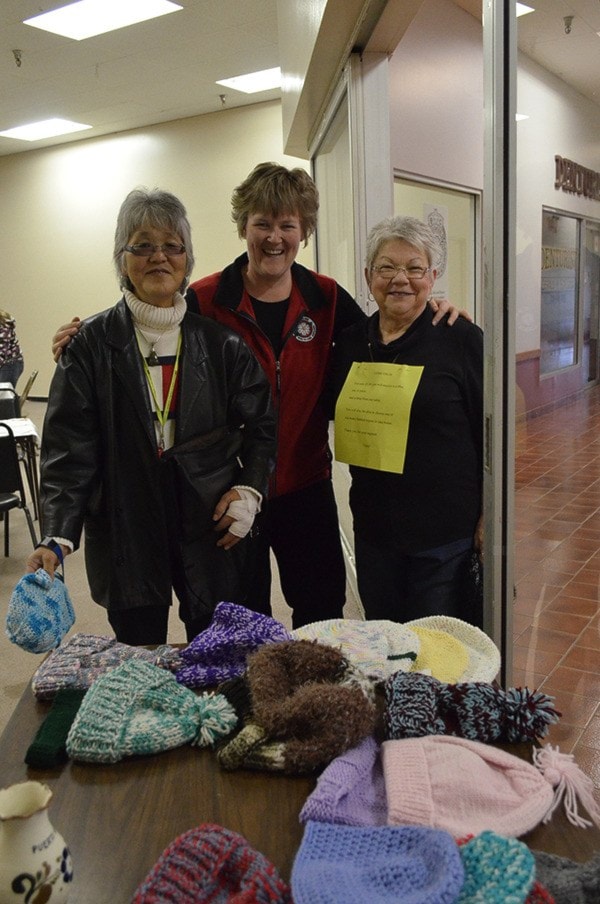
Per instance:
x=418, y=705
x=137, y=709
x=466, y=787
x=351, y=865
x=220, y=652
x=351, y=790
x=211, y=863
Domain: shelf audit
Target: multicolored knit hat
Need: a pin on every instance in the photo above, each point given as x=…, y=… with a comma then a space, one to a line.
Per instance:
x=40, y=612
x=351, y=790
x=82, y=658
x=309, y=704
x=567, y=881
x=418, y=705
x=211, y=863
x=353, y=865
x=444, y=642
x=220, y=652
x=497, y=870
x=138, y=708
x=379, y=647
x=466, y=787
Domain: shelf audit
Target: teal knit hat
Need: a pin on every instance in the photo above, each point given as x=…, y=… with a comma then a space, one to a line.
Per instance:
x=138, y=708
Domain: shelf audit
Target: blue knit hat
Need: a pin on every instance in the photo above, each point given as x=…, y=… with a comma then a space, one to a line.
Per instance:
x=353, y=865
x=497, y=870
x=40, y=612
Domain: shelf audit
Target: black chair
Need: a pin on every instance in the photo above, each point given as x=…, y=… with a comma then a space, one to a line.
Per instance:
x=9, y=402
x=12, y=491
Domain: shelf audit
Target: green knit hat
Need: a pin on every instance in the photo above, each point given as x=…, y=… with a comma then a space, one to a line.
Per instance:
x=139, y=708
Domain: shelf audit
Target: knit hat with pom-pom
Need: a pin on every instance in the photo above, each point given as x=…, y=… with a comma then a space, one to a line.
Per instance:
x=211, y=863
x=466, y=787
x=418, y=705
x=139, y=708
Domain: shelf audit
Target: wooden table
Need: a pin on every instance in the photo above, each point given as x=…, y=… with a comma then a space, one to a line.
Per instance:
x=118, y=819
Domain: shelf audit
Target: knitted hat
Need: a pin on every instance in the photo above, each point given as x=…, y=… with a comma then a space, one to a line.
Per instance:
x=138, y=708
x=567, y=881
x=351, y=790
x=220, y=652
x=40, y=612
x=352, y=865
x=497, y=870
x=82, y=658
x=211, y=863
x=48, y=748
x=417, y=705
x=379, y=647
x=467, y=787
x=444, y=660
x=308, y=706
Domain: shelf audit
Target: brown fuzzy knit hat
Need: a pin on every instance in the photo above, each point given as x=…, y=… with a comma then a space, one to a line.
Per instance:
x=309, y=704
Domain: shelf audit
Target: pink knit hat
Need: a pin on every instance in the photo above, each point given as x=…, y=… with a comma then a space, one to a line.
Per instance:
x=466, y=787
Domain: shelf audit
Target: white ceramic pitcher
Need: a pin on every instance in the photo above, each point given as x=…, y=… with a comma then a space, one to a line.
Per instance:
x=35, y=863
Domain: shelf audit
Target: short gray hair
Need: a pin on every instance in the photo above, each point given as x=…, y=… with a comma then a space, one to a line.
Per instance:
x=408, y=229
x=156, y=208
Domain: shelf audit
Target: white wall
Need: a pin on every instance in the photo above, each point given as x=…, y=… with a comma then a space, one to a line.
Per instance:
x=562, y=122
x=59, y=208
x=436, y=99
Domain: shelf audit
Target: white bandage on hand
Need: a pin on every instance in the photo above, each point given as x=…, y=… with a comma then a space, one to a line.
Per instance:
x=243, y=511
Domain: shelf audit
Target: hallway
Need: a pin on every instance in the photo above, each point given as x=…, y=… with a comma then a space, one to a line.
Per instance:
x=557, y=570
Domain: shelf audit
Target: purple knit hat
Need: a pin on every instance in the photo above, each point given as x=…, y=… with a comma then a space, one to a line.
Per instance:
x=352, y=865
x=351, y=790
x=210, y=863
x=220, y=652
x=419, y=705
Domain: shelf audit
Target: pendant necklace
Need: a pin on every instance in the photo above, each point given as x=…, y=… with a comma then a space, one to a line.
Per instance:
x=162, y=414
x=153, y=360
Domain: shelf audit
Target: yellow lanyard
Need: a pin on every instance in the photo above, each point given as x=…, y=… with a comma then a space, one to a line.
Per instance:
x=162, y=413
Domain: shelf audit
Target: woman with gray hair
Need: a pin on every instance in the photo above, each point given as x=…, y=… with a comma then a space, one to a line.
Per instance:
x=158, y=440
x=416, y=504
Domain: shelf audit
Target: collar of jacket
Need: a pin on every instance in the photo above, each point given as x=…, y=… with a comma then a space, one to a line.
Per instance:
x=231, y=285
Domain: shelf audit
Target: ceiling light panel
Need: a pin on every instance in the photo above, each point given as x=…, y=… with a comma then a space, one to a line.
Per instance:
x=95, y=17
x=254, y=82
x=47, y=128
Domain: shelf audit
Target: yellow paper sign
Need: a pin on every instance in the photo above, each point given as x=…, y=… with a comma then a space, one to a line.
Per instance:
x=372, y=415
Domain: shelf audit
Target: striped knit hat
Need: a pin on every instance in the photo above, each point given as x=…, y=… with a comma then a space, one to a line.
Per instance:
x=211, y=863
x=138, y=708
x=419, y=705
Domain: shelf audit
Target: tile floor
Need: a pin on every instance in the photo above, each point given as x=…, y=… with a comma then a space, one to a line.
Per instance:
x=557, y=570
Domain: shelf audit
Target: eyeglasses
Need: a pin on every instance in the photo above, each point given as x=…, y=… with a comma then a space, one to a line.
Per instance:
x=388, y=271
x=145, y=249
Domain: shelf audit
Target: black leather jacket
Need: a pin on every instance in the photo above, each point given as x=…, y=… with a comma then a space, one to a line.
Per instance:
x=99, y=464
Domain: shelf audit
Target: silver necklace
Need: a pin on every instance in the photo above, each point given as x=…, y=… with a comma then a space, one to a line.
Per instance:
x=152, y=360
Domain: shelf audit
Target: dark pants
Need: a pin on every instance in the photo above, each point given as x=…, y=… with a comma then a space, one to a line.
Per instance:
x=402, y=587
x=148, y=625
x=303, y=531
